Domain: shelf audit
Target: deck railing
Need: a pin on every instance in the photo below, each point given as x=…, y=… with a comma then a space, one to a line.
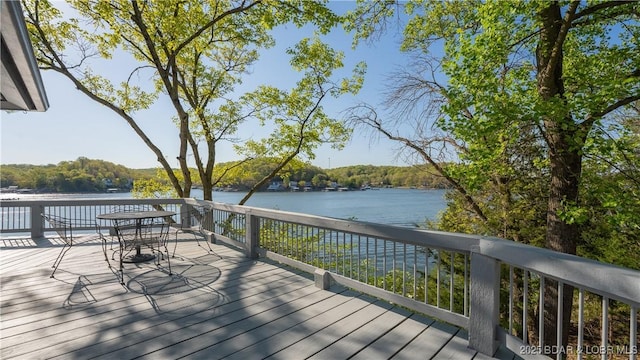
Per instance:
x=25, y=216
x=491, y=287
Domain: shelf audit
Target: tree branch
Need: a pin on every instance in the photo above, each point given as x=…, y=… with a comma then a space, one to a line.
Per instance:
x=598, y=7
x=556, y=52
x=616, y=105
x=243, y=7
x=371, y=119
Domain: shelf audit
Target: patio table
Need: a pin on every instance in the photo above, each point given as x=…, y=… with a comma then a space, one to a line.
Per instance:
x=123, y=220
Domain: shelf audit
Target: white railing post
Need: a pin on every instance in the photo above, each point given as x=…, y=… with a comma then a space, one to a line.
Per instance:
x=37, y=222
x=185, y=215
x=484, y=301
x=252, y=235
x=322, y=279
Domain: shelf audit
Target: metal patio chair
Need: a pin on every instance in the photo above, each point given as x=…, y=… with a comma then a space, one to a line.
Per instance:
x=197, y=221
x=135, y=208
x=113, y=233
x=137, y=233
x=65, y=229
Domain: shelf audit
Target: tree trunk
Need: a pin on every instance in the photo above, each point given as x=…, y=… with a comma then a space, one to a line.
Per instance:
x=565, y=162
x=565, y=178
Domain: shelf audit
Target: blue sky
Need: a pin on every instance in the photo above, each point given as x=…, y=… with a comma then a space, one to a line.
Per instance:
x=76, y=126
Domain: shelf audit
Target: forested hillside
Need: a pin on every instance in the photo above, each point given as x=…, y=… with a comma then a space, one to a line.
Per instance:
x=90, y=175
x=395, y=176
x=81, y=175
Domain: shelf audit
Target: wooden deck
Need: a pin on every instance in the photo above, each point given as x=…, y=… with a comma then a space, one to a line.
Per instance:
x=219, y=305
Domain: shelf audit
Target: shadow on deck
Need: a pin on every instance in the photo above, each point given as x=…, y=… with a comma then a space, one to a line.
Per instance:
x=215, y=305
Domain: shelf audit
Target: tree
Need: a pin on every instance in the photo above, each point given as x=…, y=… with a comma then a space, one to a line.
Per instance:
x=521, y=93
x=195, y=52
x=300, y=121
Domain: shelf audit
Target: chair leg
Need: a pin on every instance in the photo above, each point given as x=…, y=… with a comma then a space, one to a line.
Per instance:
x=104, y=249
x=175, y=245
x=206, y=240
x=58, y=260
x=121, y=262
x=162, y=243
x=168, y=259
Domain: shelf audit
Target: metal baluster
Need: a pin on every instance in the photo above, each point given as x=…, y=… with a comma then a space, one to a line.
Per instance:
x=324, y=250
x=359, y=259
x=301, y=243
x=404, y=269
x=580, y=322
x=525, y=303
x=291, y=240
x=510, y=300
x=633, y=334
x=310, y=241
x=297, y=248
x=315, y=244
x=351, y=255
x=337, y=250
x=605, y=327
x=465, y=301
x=393, y=269
x=375, y=267
x=426, y=275
x=438, y=281
x=415, y=272
x=560, y=315
x=451, y=274
x=384, y=265
x=343, y=242
x=283, y=232
x=541, y=313
x=344, y=253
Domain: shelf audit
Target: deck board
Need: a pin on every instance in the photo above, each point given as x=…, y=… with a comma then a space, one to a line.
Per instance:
x=260, y=341
x=364, y=336
x=393, y=341
x=214, y=305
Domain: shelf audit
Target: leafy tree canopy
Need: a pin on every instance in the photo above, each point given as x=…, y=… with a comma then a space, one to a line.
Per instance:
x=195, y=53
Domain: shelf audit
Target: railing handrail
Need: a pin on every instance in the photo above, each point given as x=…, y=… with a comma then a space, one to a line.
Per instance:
x=610, y=280
x=36, y=224
x=97, y=201
x=613, y=281
x=436, y=239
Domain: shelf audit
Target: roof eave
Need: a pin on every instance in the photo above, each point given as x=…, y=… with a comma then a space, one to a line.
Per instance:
x=22, y=87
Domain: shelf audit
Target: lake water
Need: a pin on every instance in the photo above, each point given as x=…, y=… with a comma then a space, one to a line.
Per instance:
x=401, y=207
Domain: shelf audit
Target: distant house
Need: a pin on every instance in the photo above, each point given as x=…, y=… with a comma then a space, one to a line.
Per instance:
x=276, y=186
x=332, y=187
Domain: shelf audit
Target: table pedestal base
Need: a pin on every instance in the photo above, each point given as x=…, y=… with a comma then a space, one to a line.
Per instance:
x=138, y=258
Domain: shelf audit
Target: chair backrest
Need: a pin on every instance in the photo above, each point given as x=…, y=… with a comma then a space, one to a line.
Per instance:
x=202, y=217
x=141, y=207
x=61, y=225
x=138, y=231
x=127, y=207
